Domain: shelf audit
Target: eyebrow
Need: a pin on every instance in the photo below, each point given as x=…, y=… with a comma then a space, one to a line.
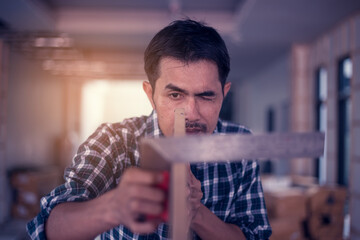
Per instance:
x=172, y=87
x=206, y=94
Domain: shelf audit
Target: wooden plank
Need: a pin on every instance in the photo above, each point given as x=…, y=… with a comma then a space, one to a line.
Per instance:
x=174, y=152
x=219, y=148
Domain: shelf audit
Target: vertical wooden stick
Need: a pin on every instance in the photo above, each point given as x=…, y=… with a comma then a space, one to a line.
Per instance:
x=178, y=200
x=179, y=123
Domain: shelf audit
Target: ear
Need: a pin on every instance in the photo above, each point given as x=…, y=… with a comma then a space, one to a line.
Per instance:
x=149, y=92
x=227, y=87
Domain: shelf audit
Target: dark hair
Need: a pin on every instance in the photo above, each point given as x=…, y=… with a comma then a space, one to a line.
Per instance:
x=188, y=41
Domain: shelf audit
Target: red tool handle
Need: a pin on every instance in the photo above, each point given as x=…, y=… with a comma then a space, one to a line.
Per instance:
x=164, y=185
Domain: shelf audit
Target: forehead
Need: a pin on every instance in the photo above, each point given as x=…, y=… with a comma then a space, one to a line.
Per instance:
x=195, y=73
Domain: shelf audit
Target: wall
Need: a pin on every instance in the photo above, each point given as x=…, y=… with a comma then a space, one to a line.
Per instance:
x=254, y=96
x=269, y=88
x=35, y=109
x=326, y=51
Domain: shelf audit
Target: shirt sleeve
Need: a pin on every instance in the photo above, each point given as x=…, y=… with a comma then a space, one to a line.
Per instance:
x=90, y=175
x=249, y=210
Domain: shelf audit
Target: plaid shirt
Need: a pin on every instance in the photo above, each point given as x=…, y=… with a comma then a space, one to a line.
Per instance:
x=232, y=191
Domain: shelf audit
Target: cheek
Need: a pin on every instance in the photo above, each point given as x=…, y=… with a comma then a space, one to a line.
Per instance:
x=165, y=108
x=210, y=108
x=165, y=113
x=210, y=112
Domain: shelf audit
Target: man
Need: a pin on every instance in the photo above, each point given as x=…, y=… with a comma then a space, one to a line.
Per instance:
x=187, y=64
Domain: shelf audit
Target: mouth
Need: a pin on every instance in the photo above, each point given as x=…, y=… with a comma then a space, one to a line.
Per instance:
x=194, y=131
x=195, y=128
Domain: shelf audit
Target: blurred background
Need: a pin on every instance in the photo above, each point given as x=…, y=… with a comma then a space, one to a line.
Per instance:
x=68, y=65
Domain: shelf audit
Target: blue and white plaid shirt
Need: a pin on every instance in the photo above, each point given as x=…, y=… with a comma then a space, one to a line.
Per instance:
x=232, y=191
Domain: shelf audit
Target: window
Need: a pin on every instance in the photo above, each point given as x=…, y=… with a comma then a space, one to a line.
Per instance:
x=270, y=120
x=111, y=101
x=344, y=106
x=267, y=165
x=226, y=112
x=321, y=119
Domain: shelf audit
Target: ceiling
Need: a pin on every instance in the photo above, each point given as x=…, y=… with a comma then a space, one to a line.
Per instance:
x=257, y=32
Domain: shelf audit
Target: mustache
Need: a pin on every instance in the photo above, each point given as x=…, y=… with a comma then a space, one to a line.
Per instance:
x=196, y=125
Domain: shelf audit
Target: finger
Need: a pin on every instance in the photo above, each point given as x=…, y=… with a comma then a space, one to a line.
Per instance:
x=137, y=175
x=188, y=178
x=195, y=182
x=194, y=201
x=188, y=192
x=196, y=195
x=148, y=193
x=195, y=198
x=188, y=166
x=142, y=227
x=194, y=191
x=191, y=177
x=196, y=186
x=145, y=207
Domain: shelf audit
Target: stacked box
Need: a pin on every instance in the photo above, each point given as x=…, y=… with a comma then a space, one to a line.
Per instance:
x=325, y=217
x=288, y=203
x=315, y=212
x=29, y=186
x=287, y=212
x=286, y=229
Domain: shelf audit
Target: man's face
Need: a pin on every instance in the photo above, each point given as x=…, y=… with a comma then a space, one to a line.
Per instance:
x=195, y=87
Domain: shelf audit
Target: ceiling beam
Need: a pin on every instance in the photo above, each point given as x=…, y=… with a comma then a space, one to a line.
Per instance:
x=27, y=15
x=136, y=22
x=241, y=14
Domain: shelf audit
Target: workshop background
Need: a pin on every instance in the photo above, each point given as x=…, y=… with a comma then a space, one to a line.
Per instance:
x=68, y=65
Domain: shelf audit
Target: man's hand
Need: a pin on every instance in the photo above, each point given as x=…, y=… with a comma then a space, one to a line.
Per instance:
x=204, y=222
x=194, y=195
x=135, y=197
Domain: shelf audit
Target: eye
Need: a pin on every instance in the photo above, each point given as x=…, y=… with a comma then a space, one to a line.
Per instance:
x=175, y=95
x=208, y=98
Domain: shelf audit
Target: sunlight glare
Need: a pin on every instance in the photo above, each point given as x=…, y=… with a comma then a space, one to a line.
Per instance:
x=111, y=101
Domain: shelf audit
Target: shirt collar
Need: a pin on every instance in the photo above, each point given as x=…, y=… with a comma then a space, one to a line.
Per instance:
x=153, y=129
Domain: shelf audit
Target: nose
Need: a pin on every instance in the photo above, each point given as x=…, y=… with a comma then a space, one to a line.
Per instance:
x=192, y=110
